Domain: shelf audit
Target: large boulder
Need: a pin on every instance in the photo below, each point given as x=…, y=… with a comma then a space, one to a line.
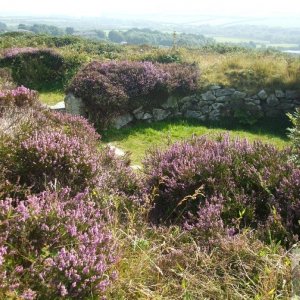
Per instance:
x=224, y=92
x=262, y=95
x=74, y=105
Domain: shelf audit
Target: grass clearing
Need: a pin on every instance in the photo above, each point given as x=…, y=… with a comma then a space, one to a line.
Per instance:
x=139, y=138
x=52, y=97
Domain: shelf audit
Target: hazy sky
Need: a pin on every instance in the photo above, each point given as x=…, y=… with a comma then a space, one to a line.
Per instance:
x=137, y=7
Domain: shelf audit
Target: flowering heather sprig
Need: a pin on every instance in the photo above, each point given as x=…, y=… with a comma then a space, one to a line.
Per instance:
x=55, y=246
x=20, y=97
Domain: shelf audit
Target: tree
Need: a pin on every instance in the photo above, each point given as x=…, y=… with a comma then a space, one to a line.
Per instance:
x=3, y=27
x=70, y=30
x=23, y=27
x=100, y=34
x=116, y=36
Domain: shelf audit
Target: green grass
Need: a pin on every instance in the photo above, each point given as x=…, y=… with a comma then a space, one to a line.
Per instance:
x=139, y=138
x=52, y=97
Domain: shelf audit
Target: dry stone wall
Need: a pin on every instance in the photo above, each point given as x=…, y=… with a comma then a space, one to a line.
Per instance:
x=212, y=104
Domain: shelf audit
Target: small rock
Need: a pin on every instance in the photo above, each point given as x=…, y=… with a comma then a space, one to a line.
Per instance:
x=58, y=106
x=160, y=114
x=217, y=106
x=272, y=100
x=201, y=103
x=136, y=167
x=122, y=120
x=147, y=116
x=252, y=100
x=214, y=115
x=239, y=95
x=279, y=94
x=208, y=96
x=262, y=95
x=191, y=114
x=223, y=99
x=138, y=113
x=119, y=152
x=224, y=92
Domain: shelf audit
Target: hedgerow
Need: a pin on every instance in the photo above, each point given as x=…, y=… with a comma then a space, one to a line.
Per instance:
x=34, y=67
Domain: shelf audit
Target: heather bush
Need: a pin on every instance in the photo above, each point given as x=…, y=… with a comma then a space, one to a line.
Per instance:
x=50, y=155
x=54, y=246
x=240, y=181
x=65, y=153
x=109, y=89
x=182, y=79
x=20, y=96
x=33, y=67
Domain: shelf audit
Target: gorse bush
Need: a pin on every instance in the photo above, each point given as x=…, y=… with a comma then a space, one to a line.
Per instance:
x=248, y=181
x=112, y=88
x=54, y=246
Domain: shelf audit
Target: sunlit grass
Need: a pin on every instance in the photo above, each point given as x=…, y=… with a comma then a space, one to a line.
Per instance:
x=139, y=138
x=51, y=98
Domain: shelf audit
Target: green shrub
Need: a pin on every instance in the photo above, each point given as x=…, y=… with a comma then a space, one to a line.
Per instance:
x=34, y=68
x=295, y=134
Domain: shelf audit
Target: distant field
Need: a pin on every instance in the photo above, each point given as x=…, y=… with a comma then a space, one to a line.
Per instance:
x=139, y=138
x=288, y=46
x=224, y=39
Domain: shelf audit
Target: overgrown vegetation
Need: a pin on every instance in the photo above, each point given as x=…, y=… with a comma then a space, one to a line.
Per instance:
x=110, y=89
x=219, y=64
x=206, y=218
x=294, y=134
